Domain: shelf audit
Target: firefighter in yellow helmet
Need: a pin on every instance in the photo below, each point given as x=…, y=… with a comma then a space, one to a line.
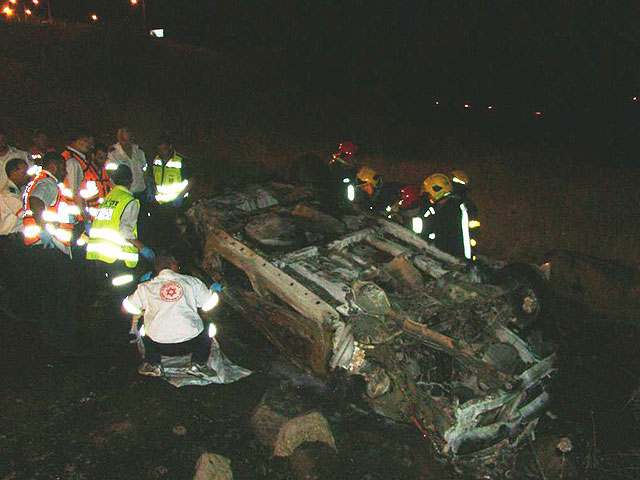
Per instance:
x=370, y=192
x=445, y=219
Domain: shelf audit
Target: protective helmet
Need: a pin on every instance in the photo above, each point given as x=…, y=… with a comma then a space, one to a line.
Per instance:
x=346, y=153
x=368, y=176
x=409, y=195
x=458, y=176
x=437, y=186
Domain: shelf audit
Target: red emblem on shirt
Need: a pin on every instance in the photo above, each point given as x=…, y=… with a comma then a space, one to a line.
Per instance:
x=171, y=292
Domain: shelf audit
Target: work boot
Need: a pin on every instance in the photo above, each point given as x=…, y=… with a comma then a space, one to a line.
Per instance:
x=150, y=370
x=201, y=370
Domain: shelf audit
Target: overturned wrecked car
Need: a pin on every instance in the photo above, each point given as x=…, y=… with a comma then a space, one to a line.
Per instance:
x=357, y=295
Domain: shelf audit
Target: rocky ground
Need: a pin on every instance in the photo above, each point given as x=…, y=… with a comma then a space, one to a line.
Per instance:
x=96, y=418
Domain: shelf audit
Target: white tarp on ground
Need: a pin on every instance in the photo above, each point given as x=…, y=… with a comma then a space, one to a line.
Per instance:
x=175, y=368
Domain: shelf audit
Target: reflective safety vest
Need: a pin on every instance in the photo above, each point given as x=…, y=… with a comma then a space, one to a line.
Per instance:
x=105, y=242
x=57, y=218
x=168, y=178
x=95, y=186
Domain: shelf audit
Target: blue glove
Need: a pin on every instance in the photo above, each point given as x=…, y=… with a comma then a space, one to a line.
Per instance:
x=148, y=254
x=216, y=287
x=145, y=277
x=47, y=239
x=87, y=226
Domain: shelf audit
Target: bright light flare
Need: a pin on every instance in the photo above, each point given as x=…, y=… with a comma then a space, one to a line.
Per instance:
x=7, y=11
x=466, y=105
x=538, y=113
x=212, y=330
x=634, y=99
x=13, y=1
x=437, y=102
x=36, y=2
x=490, y=107
x=94, y=17
x=134, y=2
x=28, y=12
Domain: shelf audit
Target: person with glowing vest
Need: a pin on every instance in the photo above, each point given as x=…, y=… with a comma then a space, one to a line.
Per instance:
x=170, y=175
x=47, y=230
x=445, y=221
x=96, y=183
x=113, y=238
x=75, y=153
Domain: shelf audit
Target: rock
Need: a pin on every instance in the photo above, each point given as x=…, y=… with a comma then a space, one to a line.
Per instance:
x=180, y=430
x=313, y=461
x=211, y=466
x=282, y=422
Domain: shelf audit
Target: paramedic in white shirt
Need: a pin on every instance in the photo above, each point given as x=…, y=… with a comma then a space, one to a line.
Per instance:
x=7, y=153
x=172, y=324
x=125, y=152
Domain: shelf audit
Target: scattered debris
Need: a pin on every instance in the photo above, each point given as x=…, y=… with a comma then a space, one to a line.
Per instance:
x=211, y=466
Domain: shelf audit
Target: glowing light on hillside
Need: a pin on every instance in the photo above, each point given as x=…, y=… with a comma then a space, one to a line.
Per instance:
x=635, y=99
x=437, y=102
x=94, y=17
x=134, y=2
x=538, y=113
x=7, y=11
x=490, y=107
x=466, y=105
x=36, y=2
x=27, y=12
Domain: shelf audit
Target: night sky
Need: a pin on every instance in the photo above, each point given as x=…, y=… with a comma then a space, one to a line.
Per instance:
x=571, y=58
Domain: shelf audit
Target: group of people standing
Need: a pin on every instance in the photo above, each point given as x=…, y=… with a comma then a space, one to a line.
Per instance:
x=69, y=220
x=439, y=210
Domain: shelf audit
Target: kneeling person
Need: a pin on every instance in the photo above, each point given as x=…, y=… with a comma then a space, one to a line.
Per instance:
x=173, y=327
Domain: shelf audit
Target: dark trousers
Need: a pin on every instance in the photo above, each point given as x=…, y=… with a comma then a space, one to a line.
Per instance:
x=199, y=348
x=56, y=290
x=14, y=276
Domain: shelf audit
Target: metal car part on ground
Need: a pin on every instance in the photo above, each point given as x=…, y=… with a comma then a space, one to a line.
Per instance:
x=362, y=296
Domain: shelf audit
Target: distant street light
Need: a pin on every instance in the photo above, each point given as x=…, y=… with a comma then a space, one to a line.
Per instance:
x=27, y=11
x=538, y=113
x=7, y=11
x=634, y=99
x=466, y=105
x=94, y=17
x=13, y=1
x=36, y=2
x=134, y=2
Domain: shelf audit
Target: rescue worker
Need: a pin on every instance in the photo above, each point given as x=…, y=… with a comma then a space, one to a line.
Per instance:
x=445, y=221
x=40, y=146
x=460, y=183
x=47, y=230
x=406, y=206
x=13, y=275
x=343, y=163
x=172, y=325
x=113, y=237
x=170, y=180
x=125, y=152
x=75, y=188
x=8, y=152
x=97, y=183
x=371, y=192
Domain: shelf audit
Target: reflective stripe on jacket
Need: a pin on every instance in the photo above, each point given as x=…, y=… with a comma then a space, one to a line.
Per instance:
x=106, y=244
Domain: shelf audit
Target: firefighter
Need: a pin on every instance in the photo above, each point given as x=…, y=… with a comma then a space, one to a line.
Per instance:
x=170, y=179
x=370, y=192
x=445, y=221
x=406, y=205
x=343, y=163
x=113, y=237
x=47, y=230
x=460, y=183
x=172, y=325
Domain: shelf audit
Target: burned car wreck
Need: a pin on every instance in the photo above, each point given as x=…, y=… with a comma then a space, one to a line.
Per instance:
x=362, y=296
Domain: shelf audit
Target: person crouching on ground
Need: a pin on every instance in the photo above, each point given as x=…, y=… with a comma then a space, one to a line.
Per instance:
x=173, y=327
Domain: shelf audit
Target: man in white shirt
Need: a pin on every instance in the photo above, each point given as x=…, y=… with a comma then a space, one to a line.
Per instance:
x=13, y=273
x=128, y=153
x=172, y=324
x=7, y=153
